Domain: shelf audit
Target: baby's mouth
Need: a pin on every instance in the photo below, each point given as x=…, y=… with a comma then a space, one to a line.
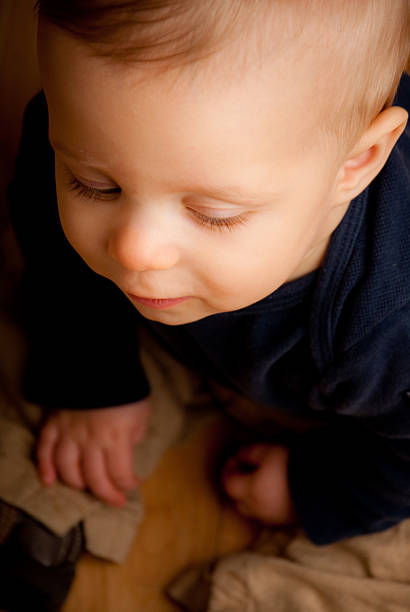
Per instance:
x=158, y=303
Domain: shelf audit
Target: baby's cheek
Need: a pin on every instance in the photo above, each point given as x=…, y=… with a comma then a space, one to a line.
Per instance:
x=233, y=287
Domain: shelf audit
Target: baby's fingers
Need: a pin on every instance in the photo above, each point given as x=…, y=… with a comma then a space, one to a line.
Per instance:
x=67, y=459
x=236, y=482
x=97, y=479
x=120, y=468
x=46, y=445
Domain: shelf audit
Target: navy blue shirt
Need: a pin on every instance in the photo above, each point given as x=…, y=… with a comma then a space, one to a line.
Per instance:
x=332, y=347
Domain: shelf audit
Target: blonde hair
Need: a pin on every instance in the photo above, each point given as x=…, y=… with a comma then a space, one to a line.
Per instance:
x=370, y=47
x=356, y=49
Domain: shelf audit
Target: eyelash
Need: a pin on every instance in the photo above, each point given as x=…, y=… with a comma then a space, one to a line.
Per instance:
x=215, y=223
x=218, y=223
x=75, y=186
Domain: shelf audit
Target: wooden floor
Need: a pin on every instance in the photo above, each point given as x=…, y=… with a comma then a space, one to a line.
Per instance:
x=185, y=523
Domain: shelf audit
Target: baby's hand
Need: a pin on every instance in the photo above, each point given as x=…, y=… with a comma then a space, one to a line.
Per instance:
x=256, y=479
x=94, y=449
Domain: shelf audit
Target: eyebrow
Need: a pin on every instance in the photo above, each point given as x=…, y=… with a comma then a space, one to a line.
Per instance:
x=232, y=194
x=80, y=154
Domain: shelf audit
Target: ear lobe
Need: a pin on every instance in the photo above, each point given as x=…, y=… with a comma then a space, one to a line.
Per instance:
x=371, y=152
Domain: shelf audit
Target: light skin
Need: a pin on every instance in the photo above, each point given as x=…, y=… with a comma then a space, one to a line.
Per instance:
x=163, y=231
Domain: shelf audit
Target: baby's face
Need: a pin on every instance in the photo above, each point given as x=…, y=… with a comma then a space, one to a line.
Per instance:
x=213, y=190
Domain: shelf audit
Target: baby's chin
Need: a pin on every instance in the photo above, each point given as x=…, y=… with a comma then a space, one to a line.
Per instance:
x=190, y=311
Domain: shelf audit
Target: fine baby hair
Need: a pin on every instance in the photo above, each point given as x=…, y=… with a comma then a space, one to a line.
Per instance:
x=356, y=51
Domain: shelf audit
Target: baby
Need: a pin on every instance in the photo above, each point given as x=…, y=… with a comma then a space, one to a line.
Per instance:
x=228, y=166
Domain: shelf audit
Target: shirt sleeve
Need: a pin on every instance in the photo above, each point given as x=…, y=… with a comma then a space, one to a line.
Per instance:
x=352, y=476
x=81, y=330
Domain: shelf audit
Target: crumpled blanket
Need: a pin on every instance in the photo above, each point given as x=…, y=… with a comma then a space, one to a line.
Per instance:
x=284, y=572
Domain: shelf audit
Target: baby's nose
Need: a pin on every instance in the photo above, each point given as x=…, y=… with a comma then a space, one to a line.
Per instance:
x=138, y=247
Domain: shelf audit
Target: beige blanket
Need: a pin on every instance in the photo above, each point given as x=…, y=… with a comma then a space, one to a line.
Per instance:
x=286, y=573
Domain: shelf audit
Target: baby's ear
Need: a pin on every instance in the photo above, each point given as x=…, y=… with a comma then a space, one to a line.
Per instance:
x=371, y=152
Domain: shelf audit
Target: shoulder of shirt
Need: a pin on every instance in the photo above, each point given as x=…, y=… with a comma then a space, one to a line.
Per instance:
x=35, y=119
x=35, y=158
x=366, y=275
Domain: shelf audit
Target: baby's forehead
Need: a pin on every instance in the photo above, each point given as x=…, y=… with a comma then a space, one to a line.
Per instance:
x=287, y=83
x=332, y=47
